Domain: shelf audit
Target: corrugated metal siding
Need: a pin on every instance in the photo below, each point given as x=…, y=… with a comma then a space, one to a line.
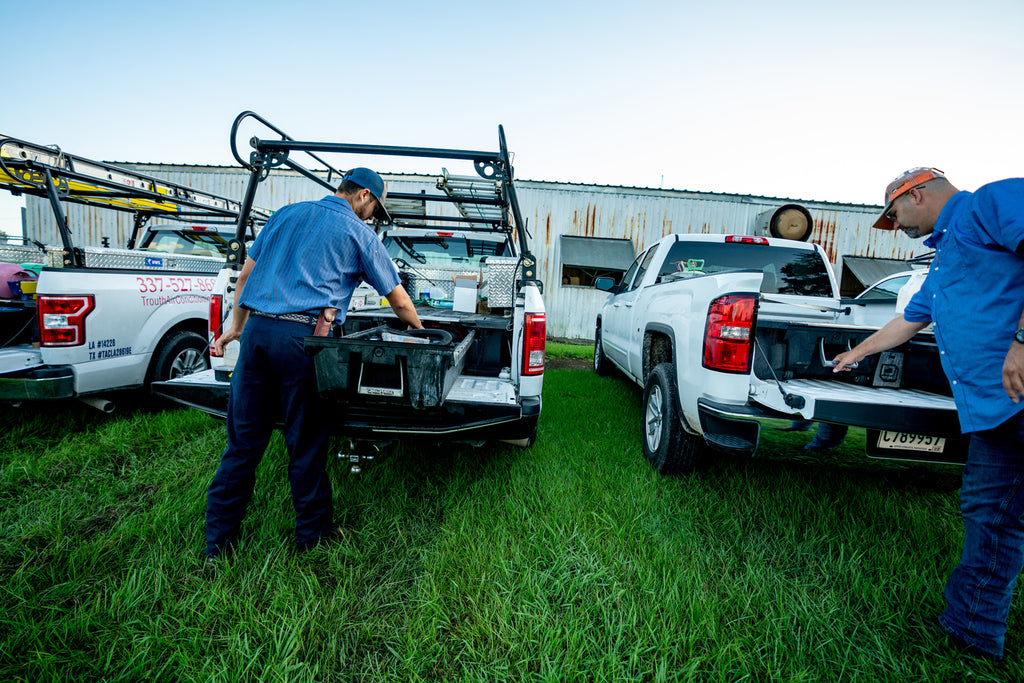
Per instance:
x=645, y=216
x=550, y=209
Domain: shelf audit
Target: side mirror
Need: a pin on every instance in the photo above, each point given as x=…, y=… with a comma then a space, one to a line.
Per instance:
x=605, y=284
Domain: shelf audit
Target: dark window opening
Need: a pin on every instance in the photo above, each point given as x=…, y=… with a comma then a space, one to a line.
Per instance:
x=585, y=259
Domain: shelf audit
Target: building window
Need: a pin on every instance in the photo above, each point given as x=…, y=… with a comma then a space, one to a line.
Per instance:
x=585, y=258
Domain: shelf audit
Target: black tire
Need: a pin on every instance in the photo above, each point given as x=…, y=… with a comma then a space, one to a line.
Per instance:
x=180, y=354
x=602, y=366
x=667, y=446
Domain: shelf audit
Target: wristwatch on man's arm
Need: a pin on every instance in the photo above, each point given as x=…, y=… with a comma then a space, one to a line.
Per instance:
x=1018, y=336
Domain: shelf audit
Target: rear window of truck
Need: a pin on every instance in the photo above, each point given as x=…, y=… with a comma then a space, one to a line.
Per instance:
x=786, y=270
x=442, y=250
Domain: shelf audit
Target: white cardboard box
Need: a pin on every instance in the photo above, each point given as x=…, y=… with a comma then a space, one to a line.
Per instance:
x=465, y=293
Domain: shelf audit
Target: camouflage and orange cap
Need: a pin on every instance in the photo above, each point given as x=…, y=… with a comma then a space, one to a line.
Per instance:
x=904, y=183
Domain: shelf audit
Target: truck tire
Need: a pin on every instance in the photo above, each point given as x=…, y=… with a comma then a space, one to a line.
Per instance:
x=180, y=354
x=667, y=446
x=602, y=366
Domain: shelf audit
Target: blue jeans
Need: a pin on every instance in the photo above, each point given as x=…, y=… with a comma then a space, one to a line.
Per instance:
x=827, y=436
x=979, y=590
x=273, y=381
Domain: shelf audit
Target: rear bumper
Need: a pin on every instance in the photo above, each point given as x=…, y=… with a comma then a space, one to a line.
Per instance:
x=37, y=384
x=736, y=428
x=452, y=421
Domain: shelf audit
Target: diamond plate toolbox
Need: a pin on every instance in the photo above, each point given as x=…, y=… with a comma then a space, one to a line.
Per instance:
x=131, y=259
x=500, y=275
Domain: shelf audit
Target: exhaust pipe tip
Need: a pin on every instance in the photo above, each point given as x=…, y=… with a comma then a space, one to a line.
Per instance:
x=101, y=404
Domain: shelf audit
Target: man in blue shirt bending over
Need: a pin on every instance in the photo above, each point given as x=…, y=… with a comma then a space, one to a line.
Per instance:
x=973, y=296
x=309, y=257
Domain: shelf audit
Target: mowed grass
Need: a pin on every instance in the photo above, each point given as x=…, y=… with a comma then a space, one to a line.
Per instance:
x=571, y=560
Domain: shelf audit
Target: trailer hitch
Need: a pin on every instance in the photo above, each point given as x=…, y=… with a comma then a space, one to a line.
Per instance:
x=356, y=460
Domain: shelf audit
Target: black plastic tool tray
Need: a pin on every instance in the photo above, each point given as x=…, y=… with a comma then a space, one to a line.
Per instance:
x=363, y=368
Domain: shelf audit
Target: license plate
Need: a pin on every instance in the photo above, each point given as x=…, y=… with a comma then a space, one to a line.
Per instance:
x=911, y=442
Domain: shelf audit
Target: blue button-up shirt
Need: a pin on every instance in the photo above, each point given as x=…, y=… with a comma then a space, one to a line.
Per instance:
x=974, y=294
x=312, y=255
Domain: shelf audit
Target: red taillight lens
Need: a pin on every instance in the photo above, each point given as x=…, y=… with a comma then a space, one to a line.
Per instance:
x=533, y=343
x=728, y=338
x=62, y=319
x=214, y=321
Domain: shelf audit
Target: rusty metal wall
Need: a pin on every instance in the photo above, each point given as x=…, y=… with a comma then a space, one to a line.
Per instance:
x=550, y=209
x=644, y=216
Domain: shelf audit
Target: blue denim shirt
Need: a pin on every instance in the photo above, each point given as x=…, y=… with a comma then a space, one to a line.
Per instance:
x=312, y=255
x=974, y=295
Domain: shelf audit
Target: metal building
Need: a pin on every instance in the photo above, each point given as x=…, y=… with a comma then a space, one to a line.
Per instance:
x=579, y=231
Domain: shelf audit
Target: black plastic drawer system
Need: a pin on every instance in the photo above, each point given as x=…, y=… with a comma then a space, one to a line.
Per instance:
x=415, y=368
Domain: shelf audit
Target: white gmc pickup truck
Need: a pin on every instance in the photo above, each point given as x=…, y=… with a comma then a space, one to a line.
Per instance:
x=726, y=332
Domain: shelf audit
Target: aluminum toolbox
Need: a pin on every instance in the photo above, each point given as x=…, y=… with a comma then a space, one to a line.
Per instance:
x=364, y=368
x=137, y=259
x=18, y=253
x=502, y=284
x=497, y=275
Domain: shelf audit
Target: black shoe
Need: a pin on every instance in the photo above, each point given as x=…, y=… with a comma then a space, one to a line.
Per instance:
x=216, y=553
x=934, y=627
x=335, y=535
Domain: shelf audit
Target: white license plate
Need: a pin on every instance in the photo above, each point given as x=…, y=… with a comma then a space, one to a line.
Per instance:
x=911, y=442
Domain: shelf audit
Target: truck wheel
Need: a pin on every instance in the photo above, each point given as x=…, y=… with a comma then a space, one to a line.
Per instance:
x=602, y=366
x=666, y=444
x=179, y=355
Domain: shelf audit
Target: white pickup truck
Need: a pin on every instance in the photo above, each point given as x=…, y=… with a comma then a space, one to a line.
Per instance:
x=727, y=332
x=103, y=319
x=461, y=249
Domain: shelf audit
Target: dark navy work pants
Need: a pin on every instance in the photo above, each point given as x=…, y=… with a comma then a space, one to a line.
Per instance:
x=273, y=381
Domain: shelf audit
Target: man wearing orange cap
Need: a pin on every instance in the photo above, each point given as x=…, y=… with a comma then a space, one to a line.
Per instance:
x=973, y=296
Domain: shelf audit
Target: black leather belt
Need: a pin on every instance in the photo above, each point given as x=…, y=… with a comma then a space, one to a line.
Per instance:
x=304, y=318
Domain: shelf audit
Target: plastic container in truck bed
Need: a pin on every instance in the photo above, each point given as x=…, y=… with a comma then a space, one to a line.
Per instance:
x=416, y=368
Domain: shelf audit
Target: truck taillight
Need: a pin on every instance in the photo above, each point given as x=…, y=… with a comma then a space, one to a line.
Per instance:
x=728, y=337
x=533, y=343
x=214, y=321
x=62, y=319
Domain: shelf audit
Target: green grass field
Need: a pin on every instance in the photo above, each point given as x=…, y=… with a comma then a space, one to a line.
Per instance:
x=568, y=561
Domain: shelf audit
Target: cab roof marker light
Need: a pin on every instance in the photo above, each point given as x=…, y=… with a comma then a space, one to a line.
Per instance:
x=745, y=239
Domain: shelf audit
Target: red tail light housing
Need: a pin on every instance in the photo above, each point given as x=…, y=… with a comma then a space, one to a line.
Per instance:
x=214, y=322
x=729, y=334
x=533, y=343
x=62, y=319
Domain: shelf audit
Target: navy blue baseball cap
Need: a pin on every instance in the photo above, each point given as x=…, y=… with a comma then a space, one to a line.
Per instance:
x=368, y=179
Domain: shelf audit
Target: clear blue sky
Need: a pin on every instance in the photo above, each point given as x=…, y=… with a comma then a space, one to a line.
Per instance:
x=807, y=100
